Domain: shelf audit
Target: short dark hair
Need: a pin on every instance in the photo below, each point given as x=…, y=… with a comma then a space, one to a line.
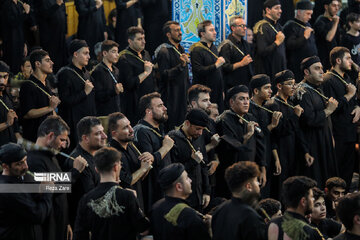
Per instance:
x=36, y=56
x=337, y=52
x=112, y=14
x=201, y=26
x=132, y=31
x=166, y=28
x=238, y=173
x=107, y=45
x=113, y=118
x=335, y=182
x=318, y=193
x=53, y=124
x=194, y=91
x=24, y=60
x=352, y=17
x=85, y=124
x=348, y=207
x=145, y=102
x=295, y=188
x=105, y=158
x=270, y=205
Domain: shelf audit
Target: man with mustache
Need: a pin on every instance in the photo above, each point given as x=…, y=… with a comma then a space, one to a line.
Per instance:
x=173, y=67
x=149, y=137
x=9, y=128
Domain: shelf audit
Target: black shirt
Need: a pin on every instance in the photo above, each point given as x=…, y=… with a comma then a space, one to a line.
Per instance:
x=8, y=134
x=353, y=44
x=328, y=227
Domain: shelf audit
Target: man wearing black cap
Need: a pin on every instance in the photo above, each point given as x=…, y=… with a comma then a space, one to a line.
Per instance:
x=270, y=55
x=190, y=150
x=268, y=120
x=36, y=99
x=314, y=121
x=242, y=139
x=299, y=38
x=76, y=88
x=340, y=86
x=237, y=218
x=171, y=217
x=327, y=31
x=287, y=136
x=9, y=127
x=19, y=212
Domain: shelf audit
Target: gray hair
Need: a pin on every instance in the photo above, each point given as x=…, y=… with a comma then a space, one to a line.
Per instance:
x=233, y=18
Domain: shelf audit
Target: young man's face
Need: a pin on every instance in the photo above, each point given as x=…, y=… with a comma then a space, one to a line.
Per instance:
x=82, y=56
x=112, y=55
x=159, y=111
x=336, y=193
x=138, y=44
x=355, y=25
x=46, y=65
x=346, y=62
x=309, y=205
x=175, y=33
x=4, y=77
x=124, y=131
x=315, y=73
x=240, y=104
x=203, y=102
x=265, y=92
x=333, y=8
x=304, y=15
x=210, y=33
x=274, y=12
x=319, y=210
x=287, y=88
x=26, y=69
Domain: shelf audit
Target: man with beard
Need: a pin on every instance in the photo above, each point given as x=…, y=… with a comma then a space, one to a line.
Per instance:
x=173, y=66
x=238, y=68
x=190, y=150
x=270, y=56
x=172, y=217
x=9, y=128
x=237, y=218
x=242, y=139
x=149, y=137
x=36, y=99
x=135, y=165
x=19, y=211
x=299, y=199
x=75, y=87
x=338, y=85
x=106, y=80
x=267, y=119
x=92, y=137
x=314, y=122
x=299, y=38
x=327, y=31
x=53, y=133
x=135, y=73
x=206, y=64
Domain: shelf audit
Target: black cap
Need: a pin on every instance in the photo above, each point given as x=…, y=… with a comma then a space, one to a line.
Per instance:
x=307, y=62
x=235, y=90
x=304, y=5
x=271, y=3
x=258, y=81
x=77, y=44
x=169, y=174
x=284, y=76
x=11, y=152
x=4, y=67
x=197, y=117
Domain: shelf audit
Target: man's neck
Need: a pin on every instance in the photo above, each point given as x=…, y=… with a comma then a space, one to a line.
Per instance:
x=338, y=70
x=240, y=114
x=355, y=230
x=177, y=195
x=282, y=96
x=152, y=122
x=353, y=32
x=107, y=63
x=107, y=178
x=296, y=210
x=257, y=100
x=327, y=15
x=123, y=144
x=185, y=130
x=174, y=43
x=77, y=64
x=269, y=17
x=138, y=52
x=238, y=38
x=40, y=76
x=308, y=80
x=87, y=148
x=208, y=43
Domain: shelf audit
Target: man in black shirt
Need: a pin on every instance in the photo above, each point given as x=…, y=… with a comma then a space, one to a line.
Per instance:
x=36, y=99
x=206, y=63
x=108, y=211
x=75, y=87
x=335, y=188
x=238, y=68
x=106, y=80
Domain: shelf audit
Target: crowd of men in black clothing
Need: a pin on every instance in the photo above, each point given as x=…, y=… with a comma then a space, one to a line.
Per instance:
x=278, y=117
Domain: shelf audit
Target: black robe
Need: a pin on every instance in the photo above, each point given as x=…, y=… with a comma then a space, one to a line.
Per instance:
x=130, y=68
x=52, y=22
x=322, y=26
x=197, y=172
x=328, y=227
x=31, y=97
x=92, y=23
x=130, y=164
x=235, y=219
x=125, y=218
x=189, y=225
x=317, y=133
x=344, y=130
x=173, y=84
x=347, y=236
x=8, y=134
x=19, y=212
x=206, y=73
x=297, y=46
x=106, y=99
x=75, y=104
x=241, y=75
x=269, y=58
x=12, y=17
x=148, y=141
